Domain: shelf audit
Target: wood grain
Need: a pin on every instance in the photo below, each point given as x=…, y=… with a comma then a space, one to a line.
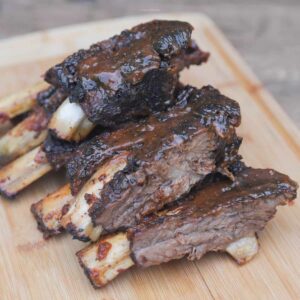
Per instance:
x=32, y=268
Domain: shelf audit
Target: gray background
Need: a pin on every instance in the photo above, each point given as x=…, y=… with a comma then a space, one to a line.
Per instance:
x=265, y=32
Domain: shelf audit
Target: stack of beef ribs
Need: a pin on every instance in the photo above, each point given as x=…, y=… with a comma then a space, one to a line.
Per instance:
x=153, y=168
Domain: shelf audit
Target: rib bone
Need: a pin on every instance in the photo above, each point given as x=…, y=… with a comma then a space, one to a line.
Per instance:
x=18, y=103
x=17, y=142
x=219, y=216
x=23, y=171
x=52, y=214
x=49, y=211
x=66, y=121
x=28, y=134
x=106, y=259
x=243, y=249
x=83, y=131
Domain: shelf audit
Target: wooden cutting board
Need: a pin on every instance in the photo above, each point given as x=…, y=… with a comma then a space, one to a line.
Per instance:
x=32, y=268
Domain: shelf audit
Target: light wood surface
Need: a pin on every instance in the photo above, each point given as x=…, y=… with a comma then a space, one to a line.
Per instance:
x=32, y=268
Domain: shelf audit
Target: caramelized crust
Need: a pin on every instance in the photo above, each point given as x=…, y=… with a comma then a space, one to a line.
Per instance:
x=204, y=109
x=167, y=154
x=129, y=75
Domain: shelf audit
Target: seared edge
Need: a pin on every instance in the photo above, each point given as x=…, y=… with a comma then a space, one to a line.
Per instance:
x=25, y=136
x=127, y=76
x=20, y=173
x=77, y=221
x=106, y=259
x=49, y=211
x=110, y=256
x=212, y=217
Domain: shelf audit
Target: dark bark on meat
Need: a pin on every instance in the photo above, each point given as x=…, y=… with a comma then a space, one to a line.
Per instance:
x=168, y=154
x=51, y=98
x=58, y=152
x=146, y=186
x=211, y=218
x=129, y=75
x=205, y=107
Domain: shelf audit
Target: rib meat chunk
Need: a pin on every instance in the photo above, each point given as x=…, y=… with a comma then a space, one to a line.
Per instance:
x=218, y=215
x=197, y=111
x=211, y=218
x=51, y=98
x=129, y=75
x=163, y=157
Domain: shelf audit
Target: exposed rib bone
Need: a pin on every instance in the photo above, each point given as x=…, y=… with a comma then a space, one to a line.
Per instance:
x=243, y=249
x=77, y=219
x=19, y=141
x=83, y=130
x=28, y=134
x=106, y=259
x=66, y=121
x=18, y=103
x=5, y=125
x=49, y=211
x=23, y=171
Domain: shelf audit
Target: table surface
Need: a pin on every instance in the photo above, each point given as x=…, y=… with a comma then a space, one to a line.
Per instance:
x=265, y=32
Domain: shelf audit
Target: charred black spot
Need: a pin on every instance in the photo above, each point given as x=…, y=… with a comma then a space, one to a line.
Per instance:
x=51, y=98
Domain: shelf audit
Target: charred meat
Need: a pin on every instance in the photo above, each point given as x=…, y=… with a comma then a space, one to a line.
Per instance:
x=58, y=151
x=49, y=211
x=51, y=98
x=157, y=161
x=129, y=75
x=205, y=108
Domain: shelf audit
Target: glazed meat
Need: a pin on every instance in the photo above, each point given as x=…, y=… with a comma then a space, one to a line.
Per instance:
x=197, y=111
x=129, y=75
x=141, y=167
x=51, y=98
x=211, y=218
x=218, y=215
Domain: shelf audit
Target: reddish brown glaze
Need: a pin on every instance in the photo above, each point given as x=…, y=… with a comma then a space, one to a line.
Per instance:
x=129, y=75
x=169, y=153
x=90, y=198
x=40, y=157
x=103, y=249
x=3, y=117
x=38, y=120
x=212, y=216
x=65, y=209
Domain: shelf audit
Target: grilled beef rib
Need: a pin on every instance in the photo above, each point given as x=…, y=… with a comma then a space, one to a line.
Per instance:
x=129, y=75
